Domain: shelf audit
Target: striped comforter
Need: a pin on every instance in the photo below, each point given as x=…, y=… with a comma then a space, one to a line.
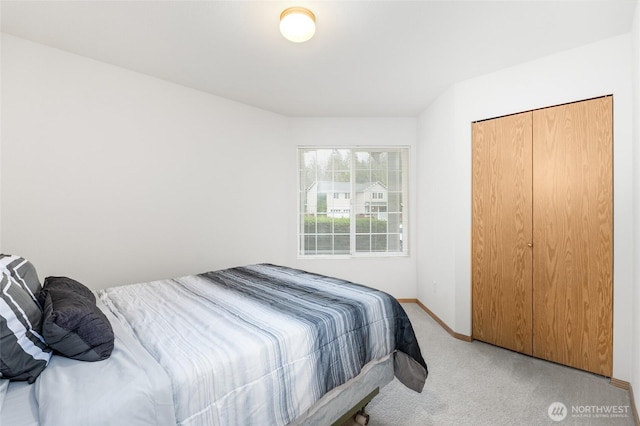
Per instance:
x=260, y=344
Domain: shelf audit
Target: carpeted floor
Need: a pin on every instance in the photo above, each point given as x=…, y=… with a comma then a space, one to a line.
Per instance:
x=479, y=384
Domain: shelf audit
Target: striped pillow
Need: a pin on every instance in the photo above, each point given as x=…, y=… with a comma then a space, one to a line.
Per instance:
x=23, y=352
x=23, y=272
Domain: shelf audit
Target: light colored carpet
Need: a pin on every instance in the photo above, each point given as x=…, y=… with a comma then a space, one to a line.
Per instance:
x=480, y=384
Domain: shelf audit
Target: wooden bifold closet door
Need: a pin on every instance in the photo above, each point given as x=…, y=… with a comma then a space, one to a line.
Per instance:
x=542, y=239
x=502, y=220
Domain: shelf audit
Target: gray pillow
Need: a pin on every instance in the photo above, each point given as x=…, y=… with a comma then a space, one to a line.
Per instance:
x=73, y=325
x=23, y=352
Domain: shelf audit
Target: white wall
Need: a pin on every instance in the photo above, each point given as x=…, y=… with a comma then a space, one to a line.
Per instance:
x=111, y=177
x=593, y=70
x=395, y=275
x=436, y=270
x=636, y=155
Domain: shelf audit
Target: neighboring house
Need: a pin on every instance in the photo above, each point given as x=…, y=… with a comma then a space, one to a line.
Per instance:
x=334, y=199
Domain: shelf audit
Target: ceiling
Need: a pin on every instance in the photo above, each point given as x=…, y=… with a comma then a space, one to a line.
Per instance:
x=368, y=58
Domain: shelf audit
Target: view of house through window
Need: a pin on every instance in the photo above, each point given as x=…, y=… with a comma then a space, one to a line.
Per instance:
x=352, y=200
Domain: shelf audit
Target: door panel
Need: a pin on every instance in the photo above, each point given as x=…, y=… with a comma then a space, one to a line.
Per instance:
x=573, y=234
x=501, y=232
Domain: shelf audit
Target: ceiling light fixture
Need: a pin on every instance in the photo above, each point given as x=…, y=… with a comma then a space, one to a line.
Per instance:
x=297, y=24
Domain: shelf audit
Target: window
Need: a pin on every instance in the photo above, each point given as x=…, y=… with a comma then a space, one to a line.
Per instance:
x=370, y=219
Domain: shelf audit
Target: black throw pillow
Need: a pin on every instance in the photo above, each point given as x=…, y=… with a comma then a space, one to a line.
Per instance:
x=73, y=325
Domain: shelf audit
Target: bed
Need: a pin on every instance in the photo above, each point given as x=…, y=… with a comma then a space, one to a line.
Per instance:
x=252, y=345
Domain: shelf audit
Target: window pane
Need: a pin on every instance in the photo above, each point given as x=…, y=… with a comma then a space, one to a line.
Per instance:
x=394, y=242
x=363, y=225
x=309, y=224
x=325, y=225
x=321, y=202
x=378, y=226
x=342, y=225
x=341, y=159
x=342, y=244
x=379, y=242
x=394, y=223
x=379, y=167
x=325, y=244
x=363, y=243
x=394, y=202
x=394, y=182
x=362, y=160
x=308, y=159
x=394, y=161
x=309, y=244
x=362, y=178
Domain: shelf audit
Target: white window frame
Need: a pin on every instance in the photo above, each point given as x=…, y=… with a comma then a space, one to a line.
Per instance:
x=404, y=239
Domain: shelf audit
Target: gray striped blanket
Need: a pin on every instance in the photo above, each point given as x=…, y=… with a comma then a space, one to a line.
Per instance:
x=260, y=344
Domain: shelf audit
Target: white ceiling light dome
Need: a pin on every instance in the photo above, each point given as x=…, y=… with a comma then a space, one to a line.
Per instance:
x=297, y=24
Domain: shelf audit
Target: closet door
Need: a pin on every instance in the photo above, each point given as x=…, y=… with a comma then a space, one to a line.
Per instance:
x=572, y=215
x=501, y=232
